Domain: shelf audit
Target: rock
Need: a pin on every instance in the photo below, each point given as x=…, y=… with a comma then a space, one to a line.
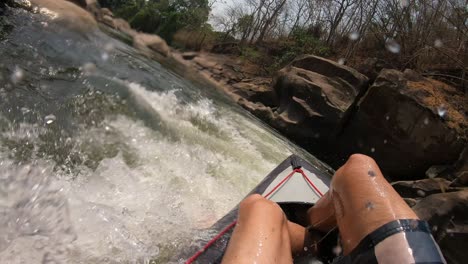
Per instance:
x=421, y=188
x=446, y=213
x=333, y=70
x=189, y=55
x=69, y=15
x=314, y=95
x=410, y=202
x=81, y=3
x=406, y=123
x=108, y=20
x=147, y=42
x=263, y=112
x=436, y=171
x=107, y=12
x=122, y=25
x=371, y=67
x=256, y=90
x=205, y=63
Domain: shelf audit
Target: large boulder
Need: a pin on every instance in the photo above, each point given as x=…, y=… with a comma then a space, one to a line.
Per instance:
x=68, y=14
x=447, y=214
x=407, y=123
x=314, y=95
x=148, y=42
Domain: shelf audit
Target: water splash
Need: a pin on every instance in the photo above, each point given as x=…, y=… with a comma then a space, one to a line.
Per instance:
x=17, y=76
x=50, y=119
x=35, y=218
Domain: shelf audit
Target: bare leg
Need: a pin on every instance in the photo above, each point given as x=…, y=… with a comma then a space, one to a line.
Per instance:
x=361, y=200
x=261, y=234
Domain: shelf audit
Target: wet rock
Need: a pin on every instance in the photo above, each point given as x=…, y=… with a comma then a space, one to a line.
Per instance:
x=148, y=42
x=446, y=213
x=421, y=188
x=399, y=123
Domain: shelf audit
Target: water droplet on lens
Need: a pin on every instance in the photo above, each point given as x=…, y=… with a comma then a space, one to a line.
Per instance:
x=392, y=46
x=109, y=47
x=441, y=111
x=17, y=75
x=354, y=36
x=342, y=61
x=337, y=250
x=438, y=43
x=49, y=119
x=105, y=56
x=25, y=110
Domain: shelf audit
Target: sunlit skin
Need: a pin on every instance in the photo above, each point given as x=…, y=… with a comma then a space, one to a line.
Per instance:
x=359, y=201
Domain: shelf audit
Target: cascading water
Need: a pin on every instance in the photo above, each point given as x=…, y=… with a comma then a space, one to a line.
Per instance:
x=108, y=157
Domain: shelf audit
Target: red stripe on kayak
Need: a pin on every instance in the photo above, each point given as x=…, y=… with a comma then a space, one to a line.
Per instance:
x=231, y=225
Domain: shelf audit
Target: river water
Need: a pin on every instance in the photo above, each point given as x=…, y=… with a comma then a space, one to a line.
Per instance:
x=108, y=157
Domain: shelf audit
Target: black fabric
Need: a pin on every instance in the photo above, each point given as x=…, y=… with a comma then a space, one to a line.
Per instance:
x=417, y=233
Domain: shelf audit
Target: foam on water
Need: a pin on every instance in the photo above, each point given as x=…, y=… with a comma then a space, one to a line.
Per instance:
x=143, y=200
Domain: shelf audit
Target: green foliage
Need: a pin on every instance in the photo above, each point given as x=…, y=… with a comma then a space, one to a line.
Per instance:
x=301, y=42
x=252, y=54
x=306, y=43
x=162, y=17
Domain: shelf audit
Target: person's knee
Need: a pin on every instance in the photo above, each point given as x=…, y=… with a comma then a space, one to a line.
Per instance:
x=358, y=166
x=257, y=205
x=358, y=159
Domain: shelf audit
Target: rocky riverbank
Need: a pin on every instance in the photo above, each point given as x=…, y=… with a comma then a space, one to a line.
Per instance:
x=415, y=127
